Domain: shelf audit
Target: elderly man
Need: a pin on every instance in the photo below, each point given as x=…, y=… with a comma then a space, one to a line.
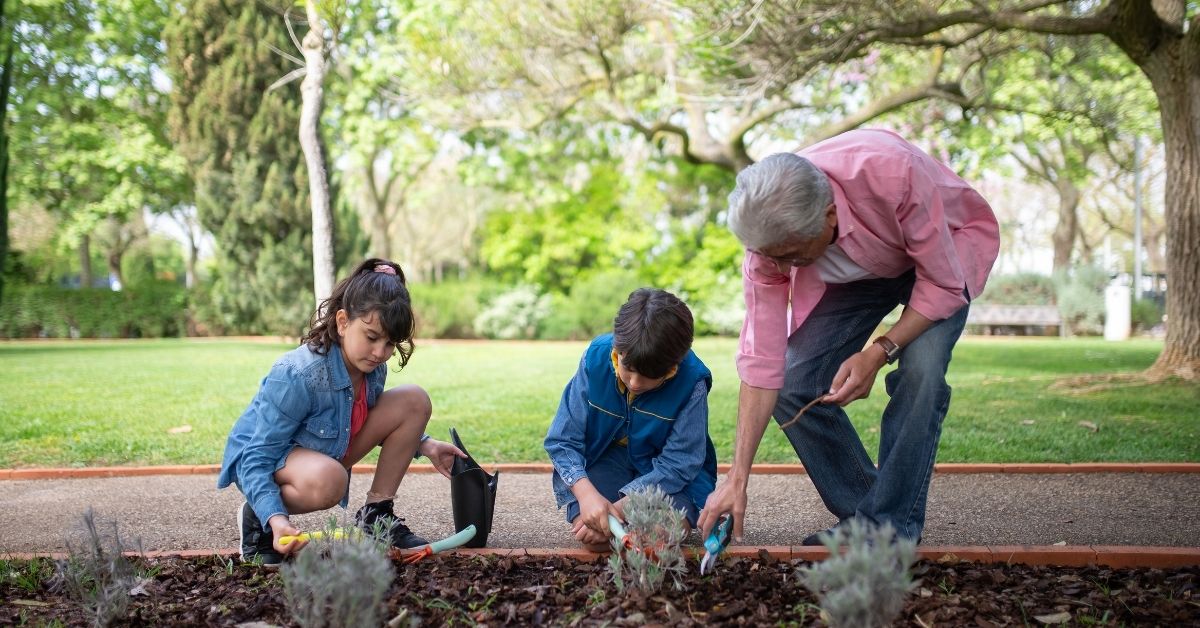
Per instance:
x=836, y=237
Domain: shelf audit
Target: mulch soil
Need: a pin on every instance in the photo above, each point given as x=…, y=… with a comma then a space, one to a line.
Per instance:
x=527, y=590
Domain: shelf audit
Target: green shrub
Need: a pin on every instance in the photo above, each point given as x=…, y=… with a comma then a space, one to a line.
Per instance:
x=516, y=314
x=657, y=530
x=338, y=582
x=1019, y=289
x=1146, y=314
x=449, y=309
x=153, y=310
x=1080, y=296
x=866, y=584
x=96, y=573
x=590, y=307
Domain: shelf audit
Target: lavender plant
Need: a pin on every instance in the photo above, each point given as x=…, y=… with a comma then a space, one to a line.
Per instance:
x=866, y=584
x=656, y=530
x=338, y=580
x=95, y=572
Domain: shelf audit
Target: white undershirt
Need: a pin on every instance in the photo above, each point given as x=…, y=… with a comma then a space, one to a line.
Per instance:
x=837, y=267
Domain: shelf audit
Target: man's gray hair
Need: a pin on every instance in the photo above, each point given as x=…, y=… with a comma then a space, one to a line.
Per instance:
x=778, y=198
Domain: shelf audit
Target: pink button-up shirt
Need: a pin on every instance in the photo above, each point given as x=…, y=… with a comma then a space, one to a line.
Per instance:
x=897, y=209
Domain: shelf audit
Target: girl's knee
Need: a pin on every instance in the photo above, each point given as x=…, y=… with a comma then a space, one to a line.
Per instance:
x=411, y=400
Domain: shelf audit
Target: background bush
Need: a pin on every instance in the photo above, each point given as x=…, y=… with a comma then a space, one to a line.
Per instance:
x=152, y=310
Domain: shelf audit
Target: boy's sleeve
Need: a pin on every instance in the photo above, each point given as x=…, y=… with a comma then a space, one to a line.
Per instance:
x=281, y=407
x=683, y=455
x=564, y=439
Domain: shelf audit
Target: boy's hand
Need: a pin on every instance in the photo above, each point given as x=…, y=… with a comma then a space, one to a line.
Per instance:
x=593, y=510
x=282, y=526
x=441, y=454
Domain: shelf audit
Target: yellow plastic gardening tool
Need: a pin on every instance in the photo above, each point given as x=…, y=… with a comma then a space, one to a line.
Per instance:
x=337, y=534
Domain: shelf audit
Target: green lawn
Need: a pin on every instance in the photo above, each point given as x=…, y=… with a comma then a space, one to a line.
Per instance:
x=112, y=403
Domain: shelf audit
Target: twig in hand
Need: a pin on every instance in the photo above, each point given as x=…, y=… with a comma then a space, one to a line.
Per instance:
x=810, y=404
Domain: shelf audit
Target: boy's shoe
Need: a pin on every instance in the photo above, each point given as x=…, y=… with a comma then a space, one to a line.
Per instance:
x=257, y=544
x=400, y=536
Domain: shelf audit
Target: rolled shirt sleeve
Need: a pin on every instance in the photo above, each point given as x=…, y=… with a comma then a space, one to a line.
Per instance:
x=763, y=342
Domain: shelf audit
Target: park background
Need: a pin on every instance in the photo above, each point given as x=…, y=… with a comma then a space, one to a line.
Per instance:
x=205, y=169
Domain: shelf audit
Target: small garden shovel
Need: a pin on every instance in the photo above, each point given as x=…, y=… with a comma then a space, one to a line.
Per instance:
x=458, y=539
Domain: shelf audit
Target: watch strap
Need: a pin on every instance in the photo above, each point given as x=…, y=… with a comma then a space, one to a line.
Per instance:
x=890, y=349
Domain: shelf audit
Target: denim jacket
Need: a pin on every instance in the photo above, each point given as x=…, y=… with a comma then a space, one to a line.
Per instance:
x=304, y=401
x=669, y=447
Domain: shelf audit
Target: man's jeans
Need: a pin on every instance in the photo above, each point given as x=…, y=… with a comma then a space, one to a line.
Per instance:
x=832, y=453
x=612, y=471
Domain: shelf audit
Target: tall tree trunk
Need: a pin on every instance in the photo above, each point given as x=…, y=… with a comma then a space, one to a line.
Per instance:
x=6, y=36
x=1176, y=79
x=311, y=92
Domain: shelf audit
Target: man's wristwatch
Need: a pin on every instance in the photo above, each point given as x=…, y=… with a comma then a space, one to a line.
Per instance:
x=890, y=349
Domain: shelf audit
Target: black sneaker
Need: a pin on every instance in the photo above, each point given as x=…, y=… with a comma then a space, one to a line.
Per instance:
x=257, y=544
x=381, y=512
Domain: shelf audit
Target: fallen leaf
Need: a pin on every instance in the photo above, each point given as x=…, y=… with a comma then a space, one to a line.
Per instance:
x=1091, y=426
x=140, y=588
x=1060, y=543
x=182, y=429
x=1027, y=422
x=1056, y=618
x=29, y=603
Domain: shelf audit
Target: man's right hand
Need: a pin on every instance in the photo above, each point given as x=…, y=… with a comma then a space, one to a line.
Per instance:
x=728, y=498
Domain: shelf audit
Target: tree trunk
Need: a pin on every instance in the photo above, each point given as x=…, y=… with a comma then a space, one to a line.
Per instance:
x=311, y=92
x=1068, y=223
x=5, y=81
x=85, y=261
x=1175, y=76
x=114, y=266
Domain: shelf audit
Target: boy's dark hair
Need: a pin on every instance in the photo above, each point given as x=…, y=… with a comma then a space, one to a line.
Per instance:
x=653, y=330
x=377, y=285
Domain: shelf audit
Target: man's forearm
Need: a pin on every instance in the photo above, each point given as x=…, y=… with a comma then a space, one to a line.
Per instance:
x=755, y=406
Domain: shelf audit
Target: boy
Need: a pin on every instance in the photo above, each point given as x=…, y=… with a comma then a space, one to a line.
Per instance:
x=634, y=415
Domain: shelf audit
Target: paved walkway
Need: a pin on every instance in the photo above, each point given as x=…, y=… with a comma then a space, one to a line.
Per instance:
x=187, y=512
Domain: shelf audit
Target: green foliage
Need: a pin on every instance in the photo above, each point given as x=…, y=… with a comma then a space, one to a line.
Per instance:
x=516, y=314
x=240, y=141
x=590, y=307
x=26, y=575
x=866, y=584
x=153, y=310
x=1146, y=314
x=96, y=574
x=656, y=530
x=449, y=309
x=338, y=582
x=1019, y=289
x=1079, y=292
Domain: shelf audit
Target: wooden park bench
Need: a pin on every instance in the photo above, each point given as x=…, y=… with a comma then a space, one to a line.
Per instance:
x=1015, y=320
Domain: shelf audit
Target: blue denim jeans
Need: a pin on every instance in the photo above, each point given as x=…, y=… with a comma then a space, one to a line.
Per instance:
x=612, y=471
x=832, y=452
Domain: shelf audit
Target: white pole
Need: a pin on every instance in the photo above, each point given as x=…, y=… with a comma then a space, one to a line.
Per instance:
x=1137, y=217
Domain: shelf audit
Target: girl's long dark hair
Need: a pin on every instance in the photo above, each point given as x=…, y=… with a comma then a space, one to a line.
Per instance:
x=377, y=285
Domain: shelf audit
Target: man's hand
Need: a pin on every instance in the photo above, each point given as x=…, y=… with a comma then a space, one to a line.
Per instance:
x=282, y=526
x=728, y=498
x=856, y=376
x=441, y=454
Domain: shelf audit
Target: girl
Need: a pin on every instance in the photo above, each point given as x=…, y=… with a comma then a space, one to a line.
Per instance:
x=322, y=408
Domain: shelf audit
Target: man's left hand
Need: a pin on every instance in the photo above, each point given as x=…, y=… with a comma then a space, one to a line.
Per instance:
x=441, y=454
x=856, y=376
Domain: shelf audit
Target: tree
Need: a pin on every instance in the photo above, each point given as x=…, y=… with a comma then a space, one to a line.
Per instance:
x=1162, y=37
x=312, y=97
x=241, y=143
x=8, y=42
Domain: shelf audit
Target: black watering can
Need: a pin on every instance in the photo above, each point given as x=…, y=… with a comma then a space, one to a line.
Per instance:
x=472, y=494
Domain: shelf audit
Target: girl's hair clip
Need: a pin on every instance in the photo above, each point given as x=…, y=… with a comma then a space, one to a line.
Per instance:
x=385, y=269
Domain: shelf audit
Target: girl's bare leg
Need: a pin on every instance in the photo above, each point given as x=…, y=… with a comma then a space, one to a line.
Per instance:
x=311, y=481
x=396, y=422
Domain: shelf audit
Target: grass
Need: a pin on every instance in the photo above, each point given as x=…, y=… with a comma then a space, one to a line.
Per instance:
x=92, y=403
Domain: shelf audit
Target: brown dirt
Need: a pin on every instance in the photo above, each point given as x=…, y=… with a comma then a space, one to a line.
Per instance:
x=558, y=591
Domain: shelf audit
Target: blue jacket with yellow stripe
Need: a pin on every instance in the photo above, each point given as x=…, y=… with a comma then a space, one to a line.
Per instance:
x=667, y=427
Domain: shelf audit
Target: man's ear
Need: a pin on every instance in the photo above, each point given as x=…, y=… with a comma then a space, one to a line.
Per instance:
x=831, y=215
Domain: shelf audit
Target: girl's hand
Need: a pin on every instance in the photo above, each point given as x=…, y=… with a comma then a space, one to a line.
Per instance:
x=282, y=526
x=441, y=454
